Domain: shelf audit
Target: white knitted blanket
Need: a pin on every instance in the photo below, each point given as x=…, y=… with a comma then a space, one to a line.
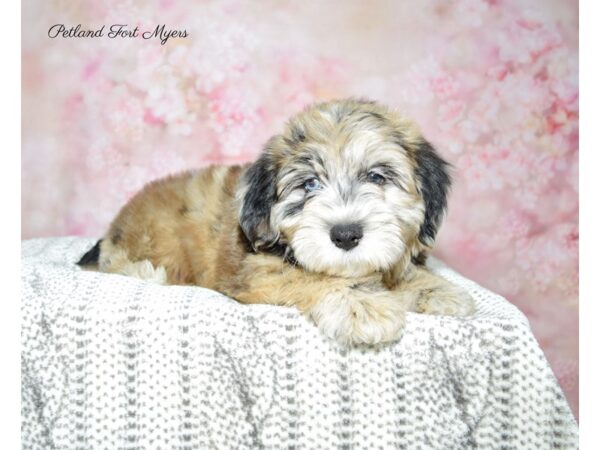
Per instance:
x=110, y=362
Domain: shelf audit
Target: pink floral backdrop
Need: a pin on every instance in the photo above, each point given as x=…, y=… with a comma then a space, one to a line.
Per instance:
x=493, y=84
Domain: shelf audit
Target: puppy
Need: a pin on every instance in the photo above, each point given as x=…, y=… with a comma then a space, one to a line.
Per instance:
x=335, y=218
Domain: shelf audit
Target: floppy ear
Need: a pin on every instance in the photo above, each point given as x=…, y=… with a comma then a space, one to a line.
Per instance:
x=258, y=199
x=434, y=179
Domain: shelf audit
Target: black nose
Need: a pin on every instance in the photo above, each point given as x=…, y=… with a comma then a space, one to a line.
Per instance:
x=346, y=236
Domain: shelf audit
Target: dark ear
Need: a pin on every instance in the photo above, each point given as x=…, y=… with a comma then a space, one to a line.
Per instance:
x=433, y=176
x=257, y=202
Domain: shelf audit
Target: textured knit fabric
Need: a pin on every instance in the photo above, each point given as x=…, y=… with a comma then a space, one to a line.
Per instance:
x=111, y=362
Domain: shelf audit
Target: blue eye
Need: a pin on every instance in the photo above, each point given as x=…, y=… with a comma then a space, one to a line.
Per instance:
x=376, y=178
x=312, y=185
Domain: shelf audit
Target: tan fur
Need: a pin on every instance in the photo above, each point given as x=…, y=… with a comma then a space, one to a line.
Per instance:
x=185, y=229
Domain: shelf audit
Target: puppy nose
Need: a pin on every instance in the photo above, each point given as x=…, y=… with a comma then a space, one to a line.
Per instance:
x=346, y=236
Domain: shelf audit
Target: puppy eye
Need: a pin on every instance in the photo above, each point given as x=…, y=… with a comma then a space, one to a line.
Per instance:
x=312, y=185
x=374, y=177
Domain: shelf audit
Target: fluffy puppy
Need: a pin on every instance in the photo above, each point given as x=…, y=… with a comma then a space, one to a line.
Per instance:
x=335, y=218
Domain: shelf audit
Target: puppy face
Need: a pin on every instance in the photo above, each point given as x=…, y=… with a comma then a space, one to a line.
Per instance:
x=349, y=188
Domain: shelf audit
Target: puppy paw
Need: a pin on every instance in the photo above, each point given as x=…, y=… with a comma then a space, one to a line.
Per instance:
x=144, y=270
x=449, y=300
x=368, y=318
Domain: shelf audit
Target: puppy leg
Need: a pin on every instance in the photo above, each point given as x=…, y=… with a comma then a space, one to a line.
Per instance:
x=115, y=260
x=351, y=311
x=435, y=294
x=364, y=314
x=144, y=270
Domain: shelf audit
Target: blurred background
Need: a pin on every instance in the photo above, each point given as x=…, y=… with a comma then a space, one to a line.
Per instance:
x=493, y=85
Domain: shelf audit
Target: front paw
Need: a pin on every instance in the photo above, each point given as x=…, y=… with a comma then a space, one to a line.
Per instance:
x=360, y=318
x=448, y=300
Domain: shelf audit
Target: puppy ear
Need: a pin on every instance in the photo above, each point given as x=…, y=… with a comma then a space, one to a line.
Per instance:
x=260, y=195
x=434, y=179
